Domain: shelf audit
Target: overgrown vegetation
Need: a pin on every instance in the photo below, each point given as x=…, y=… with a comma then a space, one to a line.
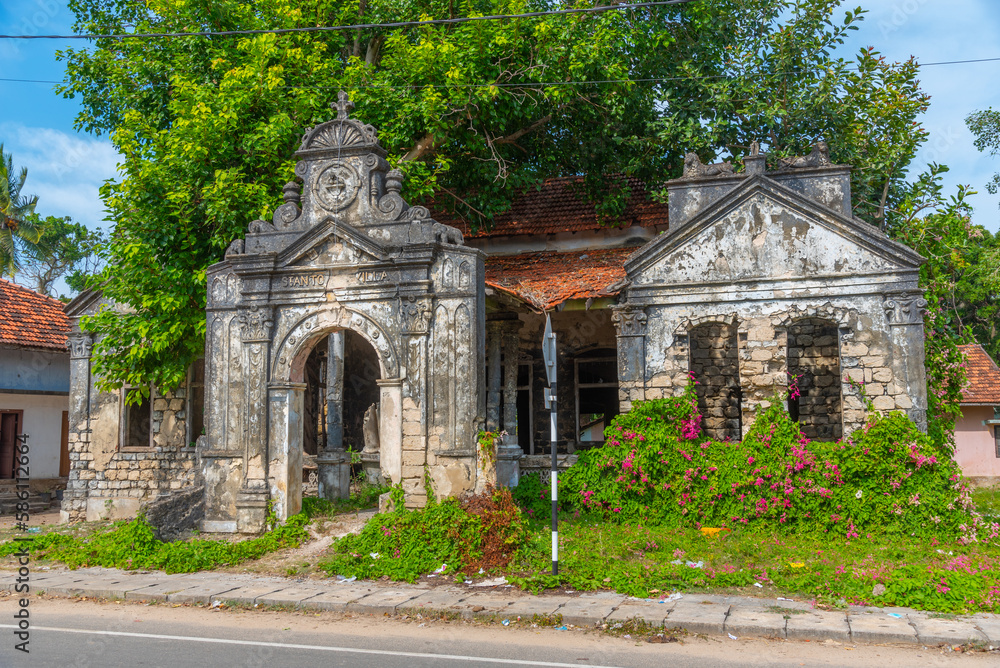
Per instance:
x=363, y=495
x=656, y=467
x=133, y=545
x=481, y=532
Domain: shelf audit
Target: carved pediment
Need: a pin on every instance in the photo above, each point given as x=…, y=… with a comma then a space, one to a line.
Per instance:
x=763, y=231
x=332, y=243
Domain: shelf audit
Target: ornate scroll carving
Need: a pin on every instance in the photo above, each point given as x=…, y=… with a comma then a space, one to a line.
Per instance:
x=629, y=321
x=80, y=346
x=415, y=315
x=818, y=157
x=904, y=309
x=694, y=168
x=341, y=133
x=235, y=248
x=260, y=227
x=255, y=323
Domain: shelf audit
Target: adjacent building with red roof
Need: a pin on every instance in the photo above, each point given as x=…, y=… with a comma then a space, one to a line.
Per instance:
x=34, y=381
x=977, y=432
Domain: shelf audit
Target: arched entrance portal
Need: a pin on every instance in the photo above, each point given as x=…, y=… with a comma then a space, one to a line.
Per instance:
x=343, y=256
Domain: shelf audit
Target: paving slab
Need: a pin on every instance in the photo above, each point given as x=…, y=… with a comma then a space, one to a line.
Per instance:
x=589, y=610
x=203, y=593
x=160, y=591
x=937, y=631
x=442, y=600
x=695, y=617
x=383, y=601
x=527, y=606
x=818, y=625
x=990, y=627
x=757, y=622
x=290, y=596
x=651, y=612
x=336, y=598
x=879, y=627
x=248, y=595
x=481, y=604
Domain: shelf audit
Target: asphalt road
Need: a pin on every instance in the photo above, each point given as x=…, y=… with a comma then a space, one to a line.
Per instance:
x=81, y=634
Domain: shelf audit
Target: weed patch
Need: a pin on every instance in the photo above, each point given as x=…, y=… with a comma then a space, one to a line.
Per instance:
x=132, y=545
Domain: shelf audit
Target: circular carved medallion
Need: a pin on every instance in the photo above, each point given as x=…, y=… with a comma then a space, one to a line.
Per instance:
x=337, y=186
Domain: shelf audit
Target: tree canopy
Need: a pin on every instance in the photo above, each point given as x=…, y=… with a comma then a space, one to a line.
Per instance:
x=474, y=114
x=64, y=249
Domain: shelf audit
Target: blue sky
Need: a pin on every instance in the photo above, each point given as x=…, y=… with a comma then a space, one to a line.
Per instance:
x=66, y=168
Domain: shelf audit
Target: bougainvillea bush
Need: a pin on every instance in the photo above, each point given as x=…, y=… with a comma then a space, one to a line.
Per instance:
x=657, y=467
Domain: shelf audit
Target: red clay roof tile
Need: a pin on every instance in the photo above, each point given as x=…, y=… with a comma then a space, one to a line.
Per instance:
x=984, y=377
x=557, y=206
x=31, y=320
x=547, y=279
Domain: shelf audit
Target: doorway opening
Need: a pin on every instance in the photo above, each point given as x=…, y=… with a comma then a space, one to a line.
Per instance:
x=340, y=400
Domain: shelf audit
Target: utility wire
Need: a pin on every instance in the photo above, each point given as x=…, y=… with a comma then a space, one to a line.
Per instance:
x=529, y=84
x=361, y=26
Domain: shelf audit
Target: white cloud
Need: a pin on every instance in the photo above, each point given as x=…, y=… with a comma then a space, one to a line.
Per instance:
x=65, y=170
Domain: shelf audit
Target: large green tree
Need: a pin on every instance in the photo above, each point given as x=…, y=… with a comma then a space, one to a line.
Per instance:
x=474, y=114
x=17, y=231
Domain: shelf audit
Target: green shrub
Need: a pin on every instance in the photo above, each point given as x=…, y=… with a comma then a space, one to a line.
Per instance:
x=483, y=531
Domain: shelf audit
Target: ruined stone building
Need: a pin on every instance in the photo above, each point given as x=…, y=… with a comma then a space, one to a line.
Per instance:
x=350, y=303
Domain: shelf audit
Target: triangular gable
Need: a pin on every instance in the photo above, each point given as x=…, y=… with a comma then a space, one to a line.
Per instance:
x=763, y=230
x=332, y=243
x=84, y=303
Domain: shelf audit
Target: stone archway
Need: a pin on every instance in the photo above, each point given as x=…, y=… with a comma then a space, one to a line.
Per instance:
x=344, y=252
x=285, y=408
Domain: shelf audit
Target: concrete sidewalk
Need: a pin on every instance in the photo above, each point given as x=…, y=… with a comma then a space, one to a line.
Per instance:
x=695, y=613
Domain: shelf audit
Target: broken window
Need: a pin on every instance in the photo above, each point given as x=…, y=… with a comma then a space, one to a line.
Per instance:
x=714, y=363
x=196, y=401
x=596, y=394
x=814, y=370
x=136, y=419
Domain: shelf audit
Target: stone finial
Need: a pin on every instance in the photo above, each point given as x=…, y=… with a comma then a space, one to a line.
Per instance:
x=394, y=181
x=694, y=168
x=755, y=163
x=818, y=157
x=343, y=105
x=291, y=193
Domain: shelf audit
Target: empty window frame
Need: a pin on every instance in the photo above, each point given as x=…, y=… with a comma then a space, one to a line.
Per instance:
x=596, y=380
x=714, y=363
x=814, y=368
x=136, y=420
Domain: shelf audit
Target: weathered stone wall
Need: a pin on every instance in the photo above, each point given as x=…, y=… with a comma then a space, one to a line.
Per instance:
x=109, y=479
x=764, y=254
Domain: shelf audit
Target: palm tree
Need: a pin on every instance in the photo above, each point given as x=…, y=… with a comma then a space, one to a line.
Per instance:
x=16, y=229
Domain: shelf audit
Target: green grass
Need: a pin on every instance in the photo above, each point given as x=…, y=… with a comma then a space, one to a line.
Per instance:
x=824, y=569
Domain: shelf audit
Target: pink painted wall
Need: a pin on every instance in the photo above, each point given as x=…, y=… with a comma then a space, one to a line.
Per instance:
x=975, y=447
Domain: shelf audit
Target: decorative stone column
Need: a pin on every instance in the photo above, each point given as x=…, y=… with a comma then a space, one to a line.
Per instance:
x=334, y=463
x=74, y=504
x=905, y=313
x=493, y=354
x=255, y=334
x=509, y=452
x=630, y=327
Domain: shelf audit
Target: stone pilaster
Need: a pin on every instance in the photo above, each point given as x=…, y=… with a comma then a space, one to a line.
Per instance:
x=905, y=314
x=255, y=333
x=74, y=504
x=630, y=327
